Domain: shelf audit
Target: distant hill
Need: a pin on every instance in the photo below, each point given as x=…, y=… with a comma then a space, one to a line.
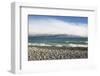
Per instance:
x=56, y=35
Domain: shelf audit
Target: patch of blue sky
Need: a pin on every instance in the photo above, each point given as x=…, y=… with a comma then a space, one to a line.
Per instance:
x=68, y=19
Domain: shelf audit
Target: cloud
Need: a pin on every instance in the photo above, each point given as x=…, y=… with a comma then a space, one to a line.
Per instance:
x=54, y=26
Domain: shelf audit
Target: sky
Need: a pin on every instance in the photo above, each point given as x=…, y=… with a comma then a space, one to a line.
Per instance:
x=69, y=25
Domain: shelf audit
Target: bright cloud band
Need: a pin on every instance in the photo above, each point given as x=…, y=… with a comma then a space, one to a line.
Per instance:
x=55, y=26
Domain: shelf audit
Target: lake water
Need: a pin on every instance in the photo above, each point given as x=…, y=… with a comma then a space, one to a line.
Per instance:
x=57, y=40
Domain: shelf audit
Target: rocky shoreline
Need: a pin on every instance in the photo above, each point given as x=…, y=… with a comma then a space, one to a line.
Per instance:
x=54, y=52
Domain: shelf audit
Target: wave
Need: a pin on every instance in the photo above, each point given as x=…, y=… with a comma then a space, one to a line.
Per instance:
x=78, y=45
x=58, y=45
x=76, y=41
x=39, y=44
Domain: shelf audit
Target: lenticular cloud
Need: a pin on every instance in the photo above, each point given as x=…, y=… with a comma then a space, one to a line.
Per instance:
x=54, y=26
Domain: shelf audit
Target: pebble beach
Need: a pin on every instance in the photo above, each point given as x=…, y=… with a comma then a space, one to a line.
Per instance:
x=56, y=52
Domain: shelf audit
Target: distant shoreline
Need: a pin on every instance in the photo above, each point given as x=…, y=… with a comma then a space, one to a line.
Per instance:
x=55, y=52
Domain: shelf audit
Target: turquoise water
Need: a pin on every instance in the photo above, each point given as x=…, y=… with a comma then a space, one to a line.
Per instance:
x=58, y=39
